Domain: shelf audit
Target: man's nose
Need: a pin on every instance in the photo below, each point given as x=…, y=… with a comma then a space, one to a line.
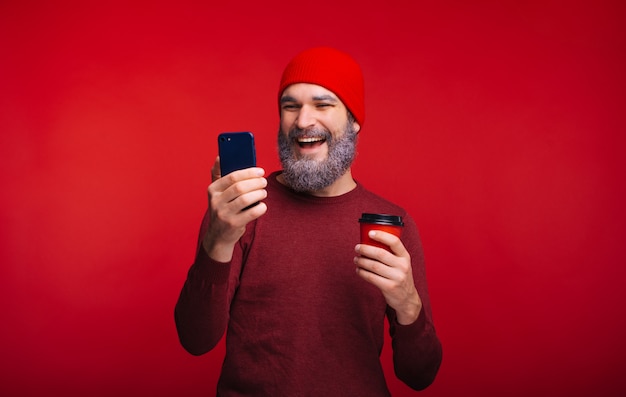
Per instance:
x=306, y=118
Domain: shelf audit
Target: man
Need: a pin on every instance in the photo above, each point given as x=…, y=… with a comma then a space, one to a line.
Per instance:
x=279, y=278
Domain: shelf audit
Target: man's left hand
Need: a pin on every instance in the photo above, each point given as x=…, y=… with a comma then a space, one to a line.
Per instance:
x=391, y=272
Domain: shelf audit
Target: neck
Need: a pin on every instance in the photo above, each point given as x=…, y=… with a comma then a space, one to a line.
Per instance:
x=342, y=185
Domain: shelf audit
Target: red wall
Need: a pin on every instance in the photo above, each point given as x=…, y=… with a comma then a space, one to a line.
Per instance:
x=499, y=125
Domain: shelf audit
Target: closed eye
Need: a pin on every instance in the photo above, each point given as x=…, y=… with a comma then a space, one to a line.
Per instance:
x=289, y=103
x=290, y=106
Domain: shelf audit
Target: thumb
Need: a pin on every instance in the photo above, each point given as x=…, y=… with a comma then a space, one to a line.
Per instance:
x=216, y=172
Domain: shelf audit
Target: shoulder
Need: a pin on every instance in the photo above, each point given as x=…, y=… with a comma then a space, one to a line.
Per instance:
x=378, y=203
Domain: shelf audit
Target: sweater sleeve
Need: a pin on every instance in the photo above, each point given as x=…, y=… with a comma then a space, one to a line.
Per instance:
x=201, y=312
x=417, y=351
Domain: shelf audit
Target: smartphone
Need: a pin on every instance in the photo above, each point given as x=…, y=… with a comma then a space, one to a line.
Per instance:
x=236, y=151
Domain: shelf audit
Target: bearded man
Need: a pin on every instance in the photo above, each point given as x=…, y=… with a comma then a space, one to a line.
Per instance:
x=302, y=306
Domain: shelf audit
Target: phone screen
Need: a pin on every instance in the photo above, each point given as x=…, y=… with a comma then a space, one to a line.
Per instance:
x=236, y=151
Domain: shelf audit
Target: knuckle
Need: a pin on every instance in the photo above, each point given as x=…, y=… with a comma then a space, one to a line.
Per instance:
x=230, y=179
x=380, y=255
x=236, y=188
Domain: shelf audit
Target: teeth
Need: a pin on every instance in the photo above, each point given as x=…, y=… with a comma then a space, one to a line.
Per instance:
x=310, y=140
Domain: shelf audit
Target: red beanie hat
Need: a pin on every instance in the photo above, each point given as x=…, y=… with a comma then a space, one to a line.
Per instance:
x=332, y=69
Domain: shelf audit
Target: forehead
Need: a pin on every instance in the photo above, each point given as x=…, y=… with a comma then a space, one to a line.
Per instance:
x=308, y=91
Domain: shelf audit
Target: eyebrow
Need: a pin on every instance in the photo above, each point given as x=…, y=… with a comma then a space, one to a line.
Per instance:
x=325, y=97
x=287, y=98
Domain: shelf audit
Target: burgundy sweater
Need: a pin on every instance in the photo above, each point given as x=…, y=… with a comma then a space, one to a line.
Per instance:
x=299, y=321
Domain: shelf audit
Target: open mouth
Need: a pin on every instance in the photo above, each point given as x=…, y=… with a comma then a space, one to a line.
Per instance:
x=309, y=142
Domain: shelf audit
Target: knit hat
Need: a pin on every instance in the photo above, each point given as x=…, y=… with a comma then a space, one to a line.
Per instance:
x=331, y=69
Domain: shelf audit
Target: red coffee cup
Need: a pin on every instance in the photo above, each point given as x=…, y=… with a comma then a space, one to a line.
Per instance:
x=387, y=223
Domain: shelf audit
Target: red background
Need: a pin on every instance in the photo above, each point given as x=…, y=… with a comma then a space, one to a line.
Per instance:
x=498, y=124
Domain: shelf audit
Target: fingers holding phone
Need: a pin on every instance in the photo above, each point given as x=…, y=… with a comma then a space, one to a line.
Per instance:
x=236, y=152
x=235, y=194
x=239, y=190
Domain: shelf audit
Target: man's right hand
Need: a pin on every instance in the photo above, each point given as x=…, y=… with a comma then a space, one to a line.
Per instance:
x=228, y=196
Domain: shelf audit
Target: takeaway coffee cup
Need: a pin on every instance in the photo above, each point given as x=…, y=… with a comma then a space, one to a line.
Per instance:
x=387, y=223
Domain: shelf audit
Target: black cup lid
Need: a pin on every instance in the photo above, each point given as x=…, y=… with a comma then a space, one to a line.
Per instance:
x=382, y=219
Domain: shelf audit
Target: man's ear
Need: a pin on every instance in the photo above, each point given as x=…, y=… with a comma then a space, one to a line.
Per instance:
x=357, y=126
